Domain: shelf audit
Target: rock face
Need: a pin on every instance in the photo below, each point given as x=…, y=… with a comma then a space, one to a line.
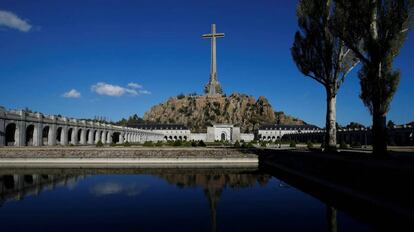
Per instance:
x=199, y=112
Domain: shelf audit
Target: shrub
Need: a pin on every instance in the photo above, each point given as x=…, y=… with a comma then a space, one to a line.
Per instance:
x=292, y=144
x=343, y=145
x=309, y=144
x=127, y=144
x=250, y=145
x=112, y=144
x=356, y=144
x=159, y=144
x=193, y=143
x=99, y=144
x=237, y=144
x=177, y=143
x=201, y=143
x=263, y=143
x=148, y=144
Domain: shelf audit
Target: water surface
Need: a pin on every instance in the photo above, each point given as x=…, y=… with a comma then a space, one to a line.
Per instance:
x=161, y=199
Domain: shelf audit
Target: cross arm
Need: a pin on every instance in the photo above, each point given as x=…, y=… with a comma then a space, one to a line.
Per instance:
x=209, y=36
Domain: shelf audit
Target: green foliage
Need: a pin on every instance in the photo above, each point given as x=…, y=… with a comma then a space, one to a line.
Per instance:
x=194, y=143
x=177, y=143
x=99, y=144
x=112, y=144
x=309, y=144
x=320, y=54
x=343, y=145
x=126, y=144
x=292, y=144
x=354, y=125
x=375, y=31
x=201, y=143
x=237, y=144
x=263, y=143
x=390, y=124
x=356, y=144
x=148, y=144
x=159, y=144
x=132, y=120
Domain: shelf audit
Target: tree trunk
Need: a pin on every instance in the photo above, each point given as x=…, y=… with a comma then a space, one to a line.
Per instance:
x=379, y=133
x=330, y=137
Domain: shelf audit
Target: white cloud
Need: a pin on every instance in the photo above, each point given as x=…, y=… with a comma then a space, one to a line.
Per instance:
x=103, y=88
x=144, y=92
x=73, y=93
x=110, y=188
x=8, y=19
x=135, y=85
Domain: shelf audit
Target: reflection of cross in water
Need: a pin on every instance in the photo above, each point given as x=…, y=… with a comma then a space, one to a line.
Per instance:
x=213, y=196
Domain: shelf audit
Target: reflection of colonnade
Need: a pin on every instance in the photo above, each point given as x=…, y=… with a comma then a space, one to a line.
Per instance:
x=16, y=186
x=21, y=128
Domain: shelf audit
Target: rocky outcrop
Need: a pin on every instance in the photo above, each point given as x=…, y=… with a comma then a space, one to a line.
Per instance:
x=199, y=112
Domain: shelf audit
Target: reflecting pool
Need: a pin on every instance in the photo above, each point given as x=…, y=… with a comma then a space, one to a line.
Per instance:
x=161, y=199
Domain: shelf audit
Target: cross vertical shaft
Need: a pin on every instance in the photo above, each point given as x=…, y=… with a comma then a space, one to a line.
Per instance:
x=213, y=87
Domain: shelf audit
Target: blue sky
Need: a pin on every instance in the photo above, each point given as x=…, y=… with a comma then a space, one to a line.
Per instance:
x=99, y=47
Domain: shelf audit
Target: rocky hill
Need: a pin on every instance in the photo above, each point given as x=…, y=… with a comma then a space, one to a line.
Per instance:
x=198, y=112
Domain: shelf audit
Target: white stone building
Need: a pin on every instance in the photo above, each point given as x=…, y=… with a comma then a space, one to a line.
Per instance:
x=275, y=132
x=217, y=132
x=169, y=131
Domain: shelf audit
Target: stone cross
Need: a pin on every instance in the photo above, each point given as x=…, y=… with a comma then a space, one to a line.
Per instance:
x=213, y=87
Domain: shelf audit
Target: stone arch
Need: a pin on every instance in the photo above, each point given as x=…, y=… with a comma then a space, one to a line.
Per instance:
x=185, y=138
x=180, y=137
x=59, y=138
x=30, y=135
x=223, y=136
x=115, y=137
x=45, y=135
x=79, y=135
x=12, y=134
x=171, y=137
x=69, y=133
x=166, y=138
x=89, y=136
x=175, y=137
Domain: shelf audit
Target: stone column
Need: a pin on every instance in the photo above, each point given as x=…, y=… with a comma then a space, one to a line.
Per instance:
x=83, y=136
x=37, y=134
x=121, y=137
x=51, y=139
x=90, y=136
x=64, y=136
x=104, y=136
x=21, y=140
x=97, y=135
x=74, y=137
x=109, y=137
x=2, y=126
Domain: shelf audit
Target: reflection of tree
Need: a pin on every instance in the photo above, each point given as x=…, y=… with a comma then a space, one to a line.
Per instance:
x=331, y=218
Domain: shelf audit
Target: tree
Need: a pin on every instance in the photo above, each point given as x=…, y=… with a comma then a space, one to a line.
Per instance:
x=322, y=56
x=355, y=125
x=390, y=124
x=375, y=30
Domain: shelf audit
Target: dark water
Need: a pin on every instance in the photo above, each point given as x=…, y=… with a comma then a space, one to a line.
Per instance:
x=189, y=199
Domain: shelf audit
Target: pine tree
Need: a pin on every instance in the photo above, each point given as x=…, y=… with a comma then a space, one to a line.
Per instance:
x=375, y=30
x=322, y=56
